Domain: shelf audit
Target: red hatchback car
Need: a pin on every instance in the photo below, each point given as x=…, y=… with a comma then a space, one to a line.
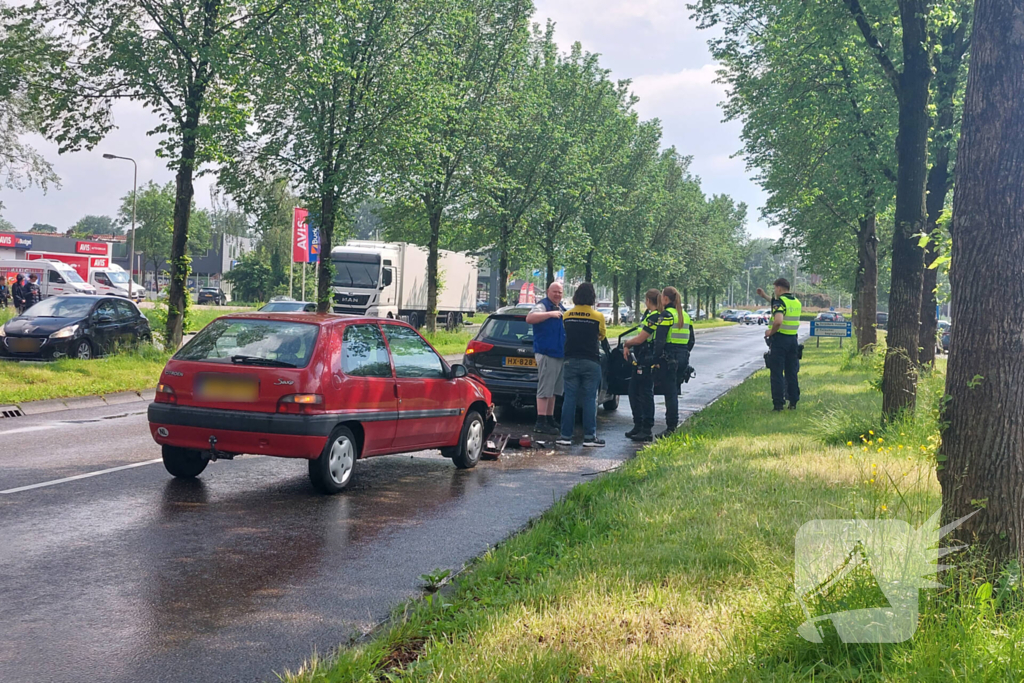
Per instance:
x=325, y=388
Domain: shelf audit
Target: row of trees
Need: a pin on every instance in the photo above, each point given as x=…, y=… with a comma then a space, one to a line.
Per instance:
x=852, y=110
x=462, y=123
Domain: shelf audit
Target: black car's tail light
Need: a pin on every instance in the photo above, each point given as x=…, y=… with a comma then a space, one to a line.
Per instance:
x=478, y=347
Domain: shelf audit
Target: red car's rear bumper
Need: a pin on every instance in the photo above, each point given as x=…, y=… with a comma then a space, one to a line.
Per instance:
x=286, y=436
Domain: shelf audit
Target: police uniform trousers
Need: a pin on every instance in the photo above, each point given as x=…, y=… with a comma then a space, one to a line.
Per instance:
x=784, y=363
x=678, y=356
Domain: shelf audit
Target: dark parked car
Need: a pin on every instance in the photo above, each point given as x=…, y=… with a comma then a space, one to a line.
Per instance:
x=944, y=330
x=212, y=295
x=881, y=320
x=830, y=317
x=76, y=326
x=501, y=355
x=290, y=306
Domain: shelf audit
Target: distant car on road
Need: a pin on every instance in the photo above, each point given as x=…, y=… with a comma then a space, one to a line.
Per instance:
x=79, y=326
x=764, y=315
x=326, y=389
x=289, y=306
x=606, y=311
x=943, y=332
x=830, y=317
x=501, y=355
x=625, y=314
x=881, y=320
x=212, y=295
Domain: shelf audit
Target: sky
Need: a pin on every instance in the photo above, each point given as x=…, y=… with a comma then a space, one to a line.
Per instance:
x=654, y=43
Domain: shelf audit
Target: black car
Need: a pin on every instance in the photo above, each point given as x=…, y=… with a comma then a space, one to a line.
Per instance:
x=501, y=355
x=289, y=306
x=881, y=320
x=212, y=295
x=76, y=326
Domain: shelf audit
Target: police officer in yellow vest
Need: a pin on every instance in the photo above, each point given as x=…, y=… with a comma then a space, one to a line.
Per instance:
x=675, y=322
x=642, y=382
x=669, y=331
x=784, y=358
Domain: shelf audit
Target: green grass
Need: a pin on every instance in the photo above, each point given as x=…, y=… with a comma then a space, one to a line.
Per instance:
x=448, y=343
x=679, y=566
x=129, y=371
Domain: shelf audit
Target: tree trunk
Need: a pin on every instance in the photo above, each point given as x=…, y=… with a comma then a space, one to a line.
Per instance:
x=637, y=296
x=983, y=442
x=899, y=376
x=686, y=298
x=177, y=303
x=325, y=268
x=615, y=299
x=946, y=79
x=432, y=255
x=504, y=236
x=867, y=283
x=698, y=304
x=589, y=277
x=551, y=258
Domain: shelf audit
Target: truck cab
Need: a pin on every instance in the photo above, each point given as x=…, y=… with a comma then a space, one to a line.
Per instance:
x=364, y=279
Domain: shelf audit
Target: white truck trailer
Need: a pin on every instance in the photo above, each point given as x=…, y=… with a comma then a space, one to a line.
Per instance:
x=389, y=280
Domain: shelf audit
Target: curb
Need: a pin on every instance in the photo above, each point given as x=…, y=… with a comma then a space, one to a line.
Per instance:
x=55, y=405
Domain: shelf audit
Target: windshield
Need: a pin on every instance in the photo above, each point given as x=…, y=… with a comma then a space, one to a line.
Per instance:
x=283, y=306
x=507, y=330
x=60, y=307
x=271, y=340
x=350, y=273
x=117, y=278
x=70, y=275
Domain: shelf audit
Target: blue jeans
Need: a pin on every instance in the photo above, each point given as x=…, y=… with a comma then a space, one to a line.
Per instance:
x=582, y=380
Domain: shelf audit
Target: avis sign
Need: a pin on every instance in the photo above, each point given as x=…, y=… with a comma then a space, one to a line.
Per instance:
x=300, y=236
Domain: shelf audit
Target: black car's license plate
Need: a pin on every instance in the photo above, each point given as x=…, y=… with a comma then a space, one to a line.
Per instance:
x=517, y=362
x=23, y=344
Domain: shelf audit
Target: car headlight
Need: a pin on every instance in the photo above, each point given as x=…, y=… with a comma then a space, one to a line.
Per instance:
x=65, y=333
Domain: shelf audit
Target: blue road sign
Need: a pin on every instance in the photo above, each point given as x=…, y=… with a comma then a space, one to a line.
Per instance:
x=824, y=328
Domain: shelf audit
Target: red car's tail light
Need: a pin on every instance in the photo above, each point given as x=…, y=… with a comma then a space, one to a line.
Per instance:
x=478, y=347
x=301, y=404
x=165, y=394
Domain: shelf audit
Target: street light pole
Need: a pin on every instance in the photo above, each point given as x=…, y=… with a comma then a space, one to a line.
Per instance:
x=131, y=250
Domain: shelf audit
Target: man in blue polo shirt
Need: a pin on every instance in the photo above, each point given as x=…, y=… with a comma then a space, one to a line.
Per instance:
x=549, y=350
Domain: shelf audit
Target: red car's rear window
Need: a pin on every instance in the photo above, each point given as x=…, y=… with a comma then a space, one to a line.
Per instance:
x=276, y=341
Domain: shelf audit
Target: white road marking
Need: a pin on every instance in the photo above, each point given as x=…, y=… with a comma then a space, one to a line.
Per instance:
x=81, y=476
x=33, y=428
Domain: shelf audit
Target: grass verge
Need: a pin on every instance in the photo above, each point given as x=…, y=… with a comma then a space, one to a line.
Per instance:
x=679, y=566
x=448, y=343
x=67, y=377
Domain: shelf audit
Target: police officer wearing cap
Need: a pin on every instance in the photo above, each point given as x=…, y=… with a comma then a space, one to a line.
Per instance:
x=784, y=357
x=642, y=382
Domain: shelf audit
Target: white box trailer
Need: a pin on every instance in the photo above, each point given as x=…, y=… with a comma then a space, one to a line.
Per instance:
x=389, y=280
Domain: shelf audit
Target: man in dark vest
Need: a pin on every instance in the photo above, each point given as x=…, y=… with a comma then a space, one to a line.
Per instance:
x=549, y=350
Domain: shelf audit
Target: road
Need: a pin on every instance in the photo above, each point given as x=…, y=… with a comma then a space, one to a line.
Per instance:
x=128, y=575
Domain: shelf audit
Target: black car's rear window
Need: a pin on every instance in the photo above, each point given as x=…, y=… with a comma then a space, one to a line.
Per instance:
x=274, y=340
x=507, y=330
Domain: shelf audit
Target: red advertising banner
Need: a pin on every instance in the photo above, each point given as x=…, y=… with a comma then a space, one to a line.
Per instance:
x=99, y=262
x=7, y=241
x=98, y=248
x=528, y=294
x=79, y=263
x=300, y=236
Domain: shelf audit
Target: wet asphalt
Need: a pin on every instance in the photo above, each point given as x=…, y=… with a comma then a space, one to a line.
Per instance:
x=130, y=576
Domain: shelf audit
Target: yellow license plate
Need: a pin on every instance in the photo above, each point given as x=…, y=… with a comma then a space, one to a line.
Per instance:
x=514, y=361
x=230, y=389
